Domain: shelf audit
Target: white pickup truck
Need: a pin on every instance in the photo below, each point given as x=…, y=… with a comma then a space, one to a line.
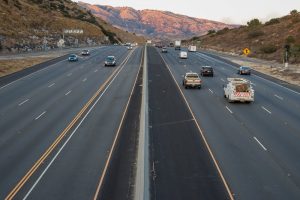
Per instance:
x=238, y=89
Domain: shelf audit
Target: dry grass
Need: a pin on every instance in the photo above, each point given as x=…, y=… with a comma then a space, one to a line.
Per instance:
x=264, y=41
x=10, y=66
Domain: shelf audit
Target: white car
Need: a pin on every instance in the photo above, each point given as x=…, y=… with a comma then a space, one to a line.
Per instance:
x=183, y=55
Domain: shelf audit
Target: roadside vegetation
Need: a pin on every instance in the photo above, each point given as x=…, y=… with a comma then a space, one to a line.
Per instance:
x=269, y=40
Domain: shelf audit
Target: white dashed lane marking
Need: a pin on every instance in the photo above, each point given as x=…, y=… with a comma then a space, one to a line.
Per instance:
x=262, y=146
x=51, y=85
x=23, y=102
x=266, y=110
x=229, y=110
x=279, y=97
x=40, y=115
x=68, y=93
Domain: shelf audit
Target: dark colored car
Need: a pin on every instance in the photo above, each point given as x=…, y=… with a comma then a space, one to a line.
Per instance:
x=164, y=50
x=85, y=52
x=73, y=57
x=207, y=71
x=110, y=61
x=244, y=70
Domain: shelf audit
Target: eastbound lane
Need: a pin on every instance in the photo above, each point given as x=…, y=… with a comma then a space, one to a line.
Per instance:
x=29, y=128
x=180, y=163
x=256, y=144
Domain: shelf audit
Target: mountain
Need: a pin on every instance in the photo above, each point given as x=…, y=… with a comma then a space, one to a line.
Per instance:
x=266, y=41
x=154, y=23
x=30, y=24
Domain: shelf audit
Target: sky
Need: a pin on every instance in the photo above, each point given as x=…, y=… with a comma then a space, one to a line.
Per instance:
x=228, y=11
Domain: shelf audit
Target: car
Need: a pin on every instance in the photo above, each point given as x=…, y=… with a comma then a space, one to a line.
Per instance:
x=129, y=47
x=85, y=52
x=192, y=80
x=164, y=50
x=110, y=61
x=243, y=70
x=207, y=71
x=73, y=57
x=183, y=55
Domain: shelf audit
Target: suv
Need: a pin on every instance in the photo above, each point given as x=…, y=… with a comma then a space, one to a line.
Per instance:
x=164, y=50
x=73, y=57
x=85, y=52
x=110, y=61
x=244, y=70
x=191, y=79
x=207, y=71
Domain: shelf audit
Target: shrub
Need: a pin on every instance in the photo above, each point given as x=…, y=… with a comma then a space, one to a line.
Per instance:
x=254, y=34
x=272, y=21
x=222, y=31
x=254, y=23
x=209, y=32
x=290, y=39
x=268, y=49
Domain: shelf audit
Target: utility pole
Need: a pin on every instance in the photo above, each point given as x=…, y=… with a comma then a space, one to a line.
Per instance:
x=286, y=56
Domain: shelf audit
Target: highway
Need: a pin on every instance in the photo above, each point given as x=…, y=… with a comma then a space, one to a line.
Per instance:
x=58, y=125
x=71, y=130
x=257, y=144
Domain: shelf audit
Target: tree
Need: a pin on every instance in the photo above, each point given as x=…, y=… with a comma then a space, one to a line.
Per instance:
x=254, y=23
x=294, y=12
x=211, y=31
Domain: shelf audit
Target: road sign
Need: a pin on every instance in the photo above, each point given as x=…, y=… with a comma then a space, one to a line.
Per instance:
x=246, y=51
x=61, y=43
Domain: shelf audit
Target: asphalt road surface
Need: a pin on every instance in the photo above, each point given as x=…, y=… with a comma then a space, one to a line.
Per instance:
x=70, y=131
x=181, y=167
x=58, y=125
x=257, y=144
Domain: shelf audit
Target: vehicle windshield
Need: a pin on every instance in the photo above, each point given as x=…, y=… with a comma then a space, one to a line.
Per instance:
x=110, y=58
x=192, y=76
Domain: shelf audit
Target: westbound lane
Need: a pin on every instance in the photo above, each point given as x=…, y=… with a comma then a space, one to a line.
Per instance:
x=75, y=172
x=256, y=148
x=180, y=163
x=29, y=133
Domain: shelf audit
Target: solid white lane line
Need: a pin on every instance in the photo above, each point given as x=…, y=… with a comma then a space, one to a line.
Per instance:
x=51, y=85
x=266, y=110
x=68, y=92
x=96, y=70
x=222, y=80
x=279, y=97
x=84, y=79
x=211, y=91
x=23, y=102
x=40, y=115
x=229, y=110
x=70, y=74
x=262, y=146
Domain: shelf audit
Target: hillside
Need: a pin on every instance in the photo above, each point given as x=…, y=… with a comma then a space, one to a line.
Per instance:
x=265, y=41
x=154, y=23
x=29, y=24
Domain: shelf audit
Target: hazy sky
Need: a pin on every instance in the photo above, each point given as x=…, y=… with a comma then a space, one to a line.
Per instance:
x=229, y=11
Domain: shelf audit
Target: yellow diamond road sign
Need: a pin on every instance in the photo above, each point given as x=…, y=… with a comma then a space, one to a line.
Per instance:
x=246, y=51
